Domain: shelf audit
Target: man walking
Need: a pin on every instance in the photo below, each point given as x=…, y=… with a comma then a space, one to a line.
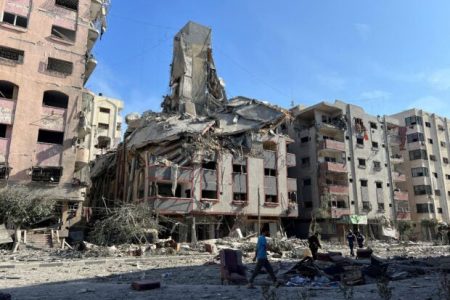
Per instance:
x=351, y=241
x=261, y=259
x=360, y=239
x=314, y=244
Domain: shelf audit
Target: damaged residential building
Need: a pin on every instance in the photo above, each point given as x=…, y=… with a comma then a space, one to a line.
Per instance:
x=349, y=170
x=45, y=60
x=206, y=164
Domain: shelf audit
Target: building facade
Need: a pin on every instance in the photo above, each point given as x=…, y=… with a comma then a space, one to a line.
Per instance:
x=426, y=152
x=349, y=171
x=45, y=60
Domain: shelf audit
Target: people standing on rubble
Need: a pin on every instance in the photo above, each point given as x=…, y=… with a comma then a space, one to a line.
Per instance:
x=314, y=244
x=351, y=241
x=360, y=239
x=261, y=259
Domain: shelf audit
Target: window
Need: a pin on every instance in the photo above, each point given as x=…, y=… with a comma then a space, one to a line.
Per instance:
x=428, y=124
x=373, y=125
x=374, y=145
x=103, y=126
x=430, y=141
x=211, y=165
x=415, y=137
x=447, y=176
x=60, y=66
x=419, y=172
x=105, y=110
x=15, y=20
x=418, y=154
x=422, y=190
x=307, y=182
x=50, y=137
x=63, y=33
x=271, y=199
x=413, y=120
x=240, y=169
x=8, y=90
x=69, y=4
x=292, y=196
x=366, y=206
x=119, y=126
x=432, y=157
x=445, y=160
x=439, y=210
x=55, y=99
x=363, y=182
x=437, y=192
x=380, y=206
x=423, y=208
x=270, y=172
x=376, y=165
x=3, y=128
x=360, y=141
x=379, y=185
x=440, y=127
x=305, y=161
x=442, y=144
x=304, y=139
x=11, y=54
x=46, y=174
x=330, y=159
x=349, y=158
x=435, y=175
x=239, y=196
x=209, y=194
x=361, y=162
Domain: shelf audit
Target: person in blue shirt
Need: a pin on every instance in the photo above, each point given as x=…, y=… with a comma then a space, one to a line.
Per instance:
x=261, y=259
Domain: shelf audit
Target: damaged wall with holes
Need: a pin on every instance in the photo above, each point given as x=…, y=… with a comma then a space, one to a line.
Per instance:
x=45, y=60
x=205, y=162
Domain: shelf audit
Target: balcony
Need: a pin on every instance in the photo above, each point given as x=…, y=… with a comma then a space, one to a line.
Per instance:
x=332, y=145
x=172, y=205
x=270, y=159
x=290, y=160
x=270, y=185
x=398, y=177
x=402, y=196
x=96, y=8
x=4, y=146
x=91, y=63
x=93, y=35
x=337, y=189
x=397, y=159
x=328, y=127
x=82, y=158
x=337, y=213
x=52, y=118
x=163, y=173
x=403, y=215
x=291, y=185
x=48, y=154
x=6, y=111
x=333, y=167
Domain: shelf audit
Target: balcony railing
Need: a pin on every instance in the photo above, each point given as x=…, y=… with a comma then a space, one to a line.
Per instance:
x=6, y=110
x=397, y=159
x=333, y=167
x=398, y=177
x=337, y=213
x=337, y=189
x=331, y=145
x=403, y=196
x=292, y=184
x=403, y=215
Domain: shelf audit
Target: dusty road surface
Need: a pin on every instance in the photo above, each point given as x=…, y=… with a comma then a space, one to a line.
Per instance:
x=193, y=276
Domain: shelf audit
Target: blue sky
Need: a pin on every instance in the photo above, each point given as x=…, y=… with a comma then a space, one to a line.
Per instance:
x=384, y=55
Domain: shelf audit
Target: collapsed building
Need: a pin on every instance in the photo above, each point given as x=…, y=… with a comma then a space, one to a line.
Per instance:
x=206, y=164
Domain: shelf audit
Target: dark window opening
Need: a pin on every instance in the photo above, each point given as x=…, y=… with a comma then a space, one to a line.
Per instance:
x=330, y=159
x=445, y=160
x=103, y=126
x=304, y=139
x=271, y=199
x=361, y=162
x=239, y=196
x=413, y=120
x=366, y=206
x=55, y=99
x=47, y=174
x=425, y=208
x=308, y=204
x=104, y=110
x=7, y=90
x=447, y=176
x=437, y=192
x=432, y=157
x=12, y=54
x=381, y=206
x=427, y=124
x=3, y=128
x=165, y=190
x=435, y=175
x=307, y=182
x=119, y=126
x=69, y=4
x=211, y=165
x=15, y=20
x=377, y=165
x=379, y=185
x=271, y=146
x=60, y=66
x=363, y=182
x=209, y=194
x=422, y=190
x=415, y=137
x=439, y=210
x=430, y=141
x=63, y=33
x=50, y=137
x=305, y=161
x=240, y=169
x=373, y=125
x=418, y=154
x=442, y=144
x=360, y=141
x=292, y=196
x=441, y=128
x=375, y=145
x=4, y=172
x=270, y=172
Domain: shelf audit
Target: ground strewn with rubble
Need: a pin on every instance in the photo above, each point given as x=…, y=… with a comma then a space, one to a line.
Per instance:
x=95, y=274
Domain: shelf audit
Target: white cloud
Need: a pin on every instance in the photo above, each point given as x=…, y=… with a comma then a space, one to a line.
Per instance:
x=432, y=104
x=363, y=30
x=332, y=81
x=375, y=95
x=440, y=79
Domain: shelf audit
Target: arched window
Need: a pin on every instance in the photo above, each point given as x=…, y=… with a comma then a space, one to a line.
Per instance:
x=8, y=90
x=55, y=99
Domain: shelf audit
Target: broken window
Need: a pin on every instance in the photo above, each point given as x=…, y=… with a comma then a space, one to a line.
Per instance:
x=374, y=145
x=445, y=160
x=211, y=165
x=418, y=154
x=105, y=110
x=165, y=190
x=380, y=206
x=439, y=210
x=270, y=172
x=69, y=4
x=304, y=139
x=360, y=141
x=50, y=137
x=240, y=169
x=373, y=125
x=292, y=196
x=423, y=208
x=103, y=126
x=60, y=66
x=377, y=165
x=239, y=196
x=8, y=90
x=379, y=185
x=428, y=124
x=63, y=33
x=361, y=162
x=3, y=128
x=15, y=20
x=413, y=120
x=209, y=194
x=12, y=54
x=271, y=199
x=363, y=182
x=46, y=174
x=415, y=137
x=422, y=190
x=430, y=141
x=55, y=99
x=432, y=157
x=437, y=192
x=330, y=159
x=366, y=206
x=435, y=175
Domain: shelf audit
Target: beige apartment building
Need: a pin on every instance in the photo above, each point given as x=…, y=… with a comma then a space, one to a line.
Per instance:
x=426, y=152
x=349, y=170
x=45, y=60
